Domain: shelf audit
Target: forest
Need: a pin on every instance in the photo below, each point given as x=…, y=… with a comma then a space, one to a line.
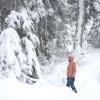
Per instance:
x=35, y=33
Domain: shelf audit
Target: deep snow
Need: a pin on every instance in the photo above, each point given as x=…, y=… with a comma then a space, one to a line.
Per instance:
x=52, y=87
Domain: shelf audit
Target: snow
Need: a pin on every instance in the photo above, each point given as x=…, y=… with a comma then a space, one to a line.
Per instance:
x=12, y=19
x=52, y=86
x=19, y=91
x=97, y=5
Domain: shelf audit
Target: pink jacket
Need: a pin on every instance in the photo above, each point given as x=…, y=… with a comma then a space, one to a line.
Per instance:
x=71, y=69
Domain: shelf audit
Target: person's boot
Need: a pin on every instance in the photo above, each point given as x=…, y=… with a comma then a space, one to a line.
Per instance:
x=75, y=91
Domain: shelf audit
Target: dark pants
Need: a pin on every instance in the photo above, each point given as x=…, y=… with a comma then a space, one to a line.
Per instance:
x=70, y=83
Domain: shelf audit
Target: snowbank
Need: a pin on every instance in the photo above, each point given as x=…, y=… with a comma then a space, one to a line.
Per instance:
x=14, y=90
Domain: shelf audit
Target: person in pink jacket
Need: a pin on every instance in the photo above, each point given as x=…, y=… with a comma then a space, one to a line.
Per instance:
x=71, y=72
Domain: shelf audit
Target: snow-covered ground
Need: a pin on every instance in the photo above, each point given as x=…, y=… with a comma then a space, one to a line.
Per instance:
x=52, y=87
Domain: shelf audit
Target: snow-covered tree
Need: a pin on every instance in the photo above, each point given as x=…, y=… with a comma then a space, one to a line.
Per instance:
x=9, y=49
x=94, y=34
x=18, y=56
x=79, y=28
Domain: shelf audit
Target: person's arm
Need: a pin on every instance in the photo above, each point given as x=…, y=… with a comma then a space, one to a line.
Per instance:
x=74, y=69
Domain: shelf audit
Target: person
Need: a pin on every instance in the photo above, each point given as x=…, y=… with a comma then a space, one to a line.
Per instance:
x=71, y=71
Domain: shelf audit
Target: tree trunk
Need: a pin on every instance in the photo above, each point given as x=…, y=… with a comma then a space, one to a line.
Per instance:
x=79, y=28
x=83, y=26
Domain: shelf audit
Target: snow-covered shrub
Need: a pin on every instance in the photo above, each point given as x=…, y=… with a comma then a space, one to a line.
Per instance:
x=30, y=54
x=10, y=49
x=18, y=56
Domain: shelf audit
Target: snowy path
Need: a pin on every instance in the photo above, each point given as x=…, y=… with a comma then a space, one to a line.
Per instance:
x=86, y=81
x=89, y=71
